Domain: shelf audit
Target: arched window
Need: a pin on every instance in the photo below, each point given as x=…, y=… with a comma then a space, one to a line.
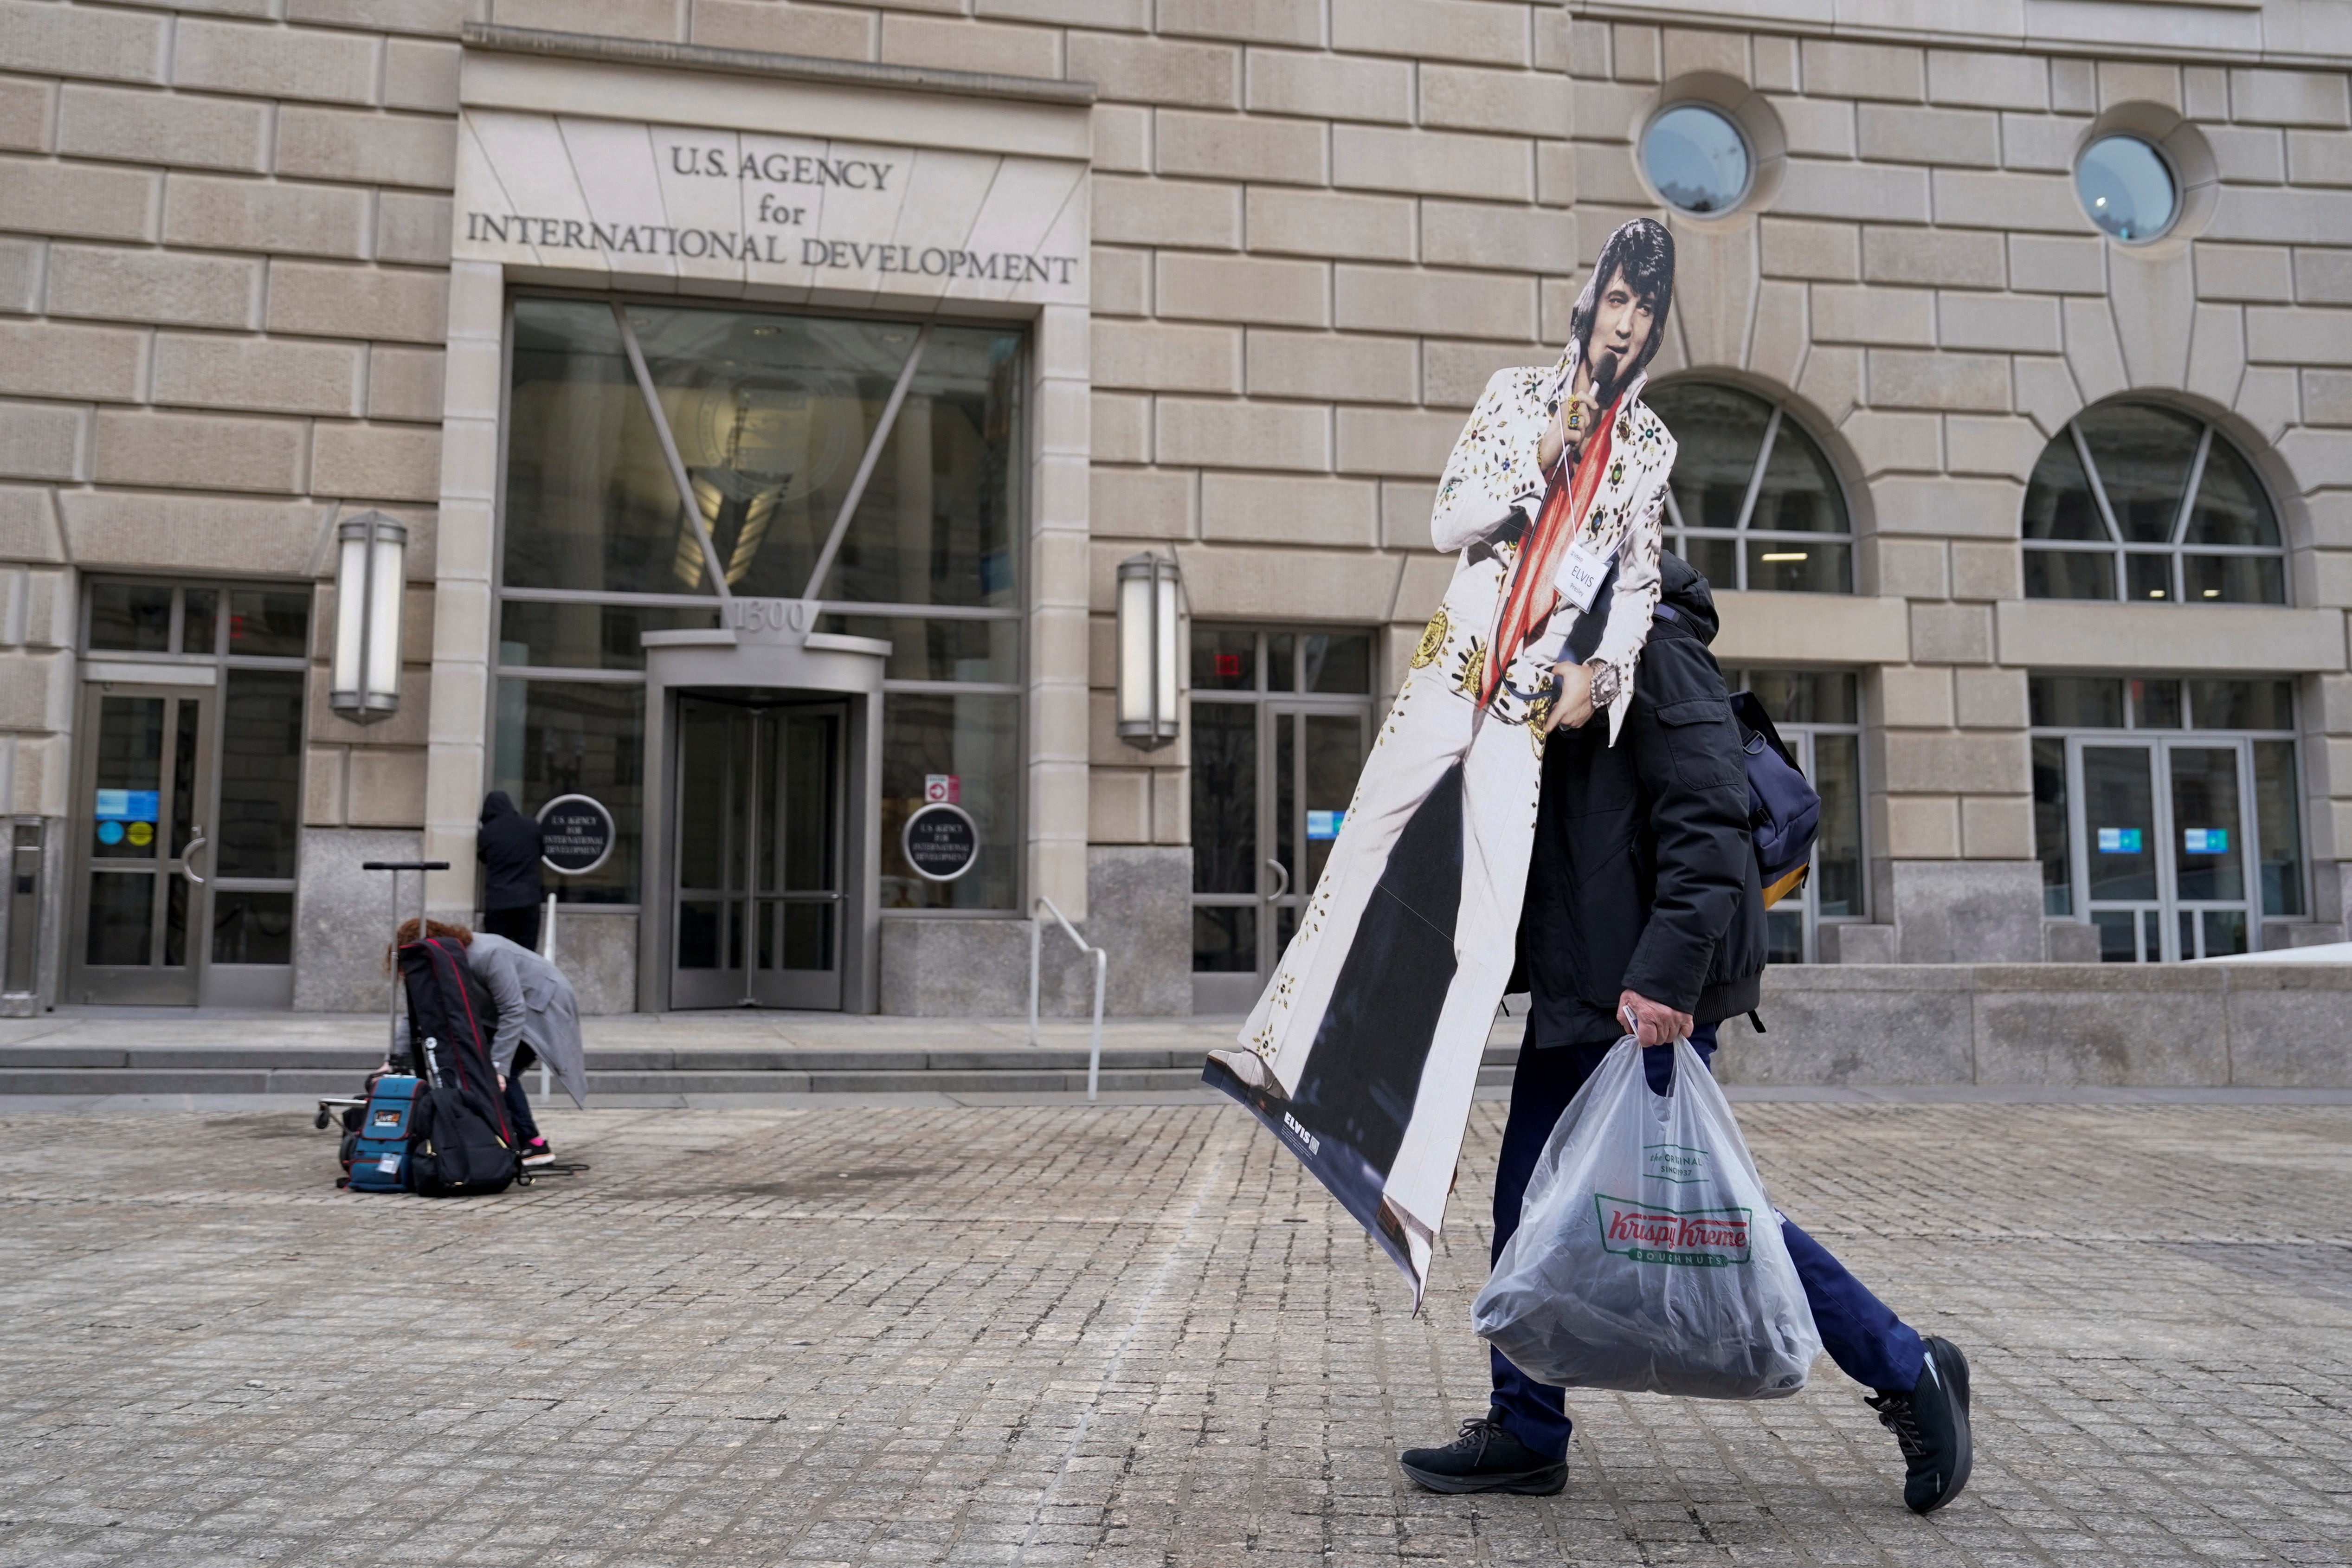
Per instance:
x=1754, y=502
x=2143, y=502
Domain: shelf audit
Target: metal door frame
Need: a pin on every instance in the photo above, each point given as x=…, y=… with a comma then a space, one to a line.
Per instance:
x=763, y=715
x=807, y=665
x=786, y=985
x=157, y=984
x=2168, y=904
x=1223, y=991
x=1273, y=895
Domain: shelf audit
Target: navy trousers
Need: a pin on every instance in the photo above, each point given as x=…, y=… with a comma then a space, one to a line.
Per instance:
x=519, y=1117
x=1862, y=1335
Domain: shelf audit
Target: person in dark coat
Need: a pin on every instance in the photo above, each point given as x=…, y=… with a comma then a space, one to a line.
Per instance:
x=1644, y=913
x=507, y=844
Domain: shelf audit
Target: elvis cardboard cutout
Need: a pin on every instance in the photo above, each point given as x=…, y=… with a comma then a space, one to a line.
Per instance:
x=1362, y=1053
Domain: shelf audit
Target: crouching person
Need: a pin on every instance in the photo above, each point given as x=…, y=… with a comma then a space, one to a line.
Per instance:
x=1643, y=900
x=538, y=1017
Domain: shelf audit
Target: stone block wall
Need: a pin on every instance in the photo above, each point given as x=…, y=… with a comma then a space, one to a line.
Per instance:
x=224, y=242
x=1320, y=225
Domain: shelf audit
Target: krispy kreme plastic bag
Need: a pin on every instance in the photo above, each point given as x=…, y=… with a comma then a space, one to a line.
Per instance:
x=1647, y=1256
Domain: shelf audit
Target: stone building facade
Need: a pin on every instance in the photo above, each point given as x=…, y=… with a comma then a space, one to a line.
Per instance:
x=1212, y=280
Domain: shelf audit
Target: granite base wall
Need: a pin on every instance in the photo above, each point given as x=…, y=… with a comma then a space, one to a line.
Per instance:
x=2049, y=1025
x=343, y=917
x=597, y=951
x=1138, y=911
x=1961, y=911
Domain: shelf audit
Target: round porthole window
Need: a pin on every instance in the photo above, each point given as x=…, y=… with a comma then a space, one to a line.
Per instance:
x=1697, y=159
x=2127, y=188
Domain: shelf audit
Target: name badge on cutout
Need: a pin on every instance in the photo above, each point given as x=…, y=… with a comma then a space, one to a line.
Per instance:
x=1580, y=573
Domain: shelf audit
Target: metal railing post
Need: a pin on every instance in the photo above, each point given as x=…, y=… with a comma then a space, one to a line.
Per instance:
x=1037, y=942
x=1093, y=1051
x=1102, y=969
x=547, y=951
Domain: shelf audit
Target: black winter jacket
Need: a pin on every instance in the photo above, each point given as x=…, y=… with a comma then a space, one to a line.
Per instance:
x=1643, y=877
x=507, y=846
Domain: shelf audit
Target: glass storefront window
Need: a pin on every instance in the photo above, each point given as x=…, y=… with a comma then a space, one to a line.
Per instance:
x=133, y=618
x=1337, y=664
x=925, y=649
x=268, y=623
x=2145, y=503
x=935, y=525
x=1754, y=502
x=578, y=738
x=590, y=504
x=2242, y=704
x=2074, y=703
x=974, y=741
x=772, y=413
x=260, y=775
x=250, y=926
x=2052, y=847
x=539, y=635
x=2278, y=828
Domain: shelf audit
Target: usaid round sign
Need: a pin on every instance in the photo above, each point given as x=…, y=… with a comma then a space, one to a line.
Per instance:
x=575, y=835
x=942, y=841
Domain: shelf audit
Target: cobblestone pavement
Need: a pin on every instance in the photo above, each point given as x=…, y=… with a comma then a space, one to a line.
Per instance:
x=1133, y=1334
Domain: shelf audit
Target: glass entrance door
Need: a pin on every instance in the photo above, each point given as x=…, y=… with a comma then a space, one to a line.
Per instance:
x=1280, y=775
x=2162, y=851
x=758, y=917
x=2209, y=849
x=140, y=906
x=1317, y=755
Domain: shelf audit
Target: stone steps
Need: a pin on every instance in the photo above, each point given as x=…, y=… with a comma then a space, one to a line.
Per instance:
x=36, y=1070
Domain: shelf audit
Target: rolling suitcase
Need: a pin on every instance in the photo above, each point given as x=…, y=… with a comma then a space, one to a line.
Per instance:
x=380, y=1146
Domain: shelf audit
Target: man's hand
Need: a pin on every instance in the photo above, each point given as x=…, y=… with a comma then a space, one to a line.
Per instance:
x=1656, y=1024
x=1556, y=439
x=1574, y=705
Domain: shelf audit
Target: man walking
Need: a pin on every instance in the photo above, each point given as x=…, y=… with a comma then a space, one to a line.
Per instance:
x=1643, y=901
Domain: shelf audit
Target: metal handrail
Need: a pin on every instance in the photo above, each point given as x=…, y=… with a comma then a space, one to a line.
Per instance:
x=1102, y=964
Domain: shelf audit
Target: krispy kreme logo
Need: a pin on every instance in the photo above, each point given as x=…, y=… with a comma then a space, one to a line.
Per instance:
x=1690, y=1238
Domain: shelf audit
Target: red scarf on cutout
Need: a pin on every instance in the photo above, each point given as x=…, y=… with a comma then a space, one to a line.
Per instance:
x=1532, y=595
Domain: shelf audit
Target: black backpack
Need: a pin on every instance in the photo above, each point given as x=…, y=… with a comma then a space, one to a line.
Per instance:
x=456, y=1149
x=459, y=1142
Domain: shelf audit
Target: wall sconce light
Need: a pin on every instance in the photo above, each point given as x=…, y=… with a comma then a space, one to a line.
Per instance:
x=371, y=571
x=1147, y=651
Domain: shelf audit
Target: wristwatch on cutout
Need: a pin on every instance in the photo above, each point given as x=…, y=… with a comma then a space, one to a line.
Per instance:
x=1604, y=683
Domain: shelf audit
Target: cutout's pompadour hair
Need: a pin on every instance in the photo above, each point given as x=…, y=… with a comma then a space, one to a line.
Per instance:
x=1644, y=252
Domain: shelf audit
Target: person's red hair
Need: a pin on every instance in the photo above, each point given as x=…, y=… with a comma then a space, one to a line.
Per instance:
x=462, y=935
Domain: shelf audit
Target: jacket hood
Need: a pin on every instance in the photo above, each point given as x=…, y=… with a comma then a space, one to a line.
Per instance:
x=1681, y=586
x=498, y=804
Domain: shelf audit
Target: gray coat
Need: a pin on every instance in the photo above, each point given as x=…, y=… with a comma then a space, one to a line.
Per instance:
x=535, y=1004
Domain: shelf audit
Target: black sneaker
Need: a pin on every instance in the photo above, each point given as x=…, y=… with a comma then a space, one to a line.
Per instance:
x=1931, y=1423
x=537, y=1152
x=1482, y=1457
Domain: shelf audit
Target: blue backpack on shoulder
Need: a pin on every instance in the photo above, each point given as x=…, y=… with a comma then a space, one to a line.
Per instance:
x=1784, y=811
x=380, y=1153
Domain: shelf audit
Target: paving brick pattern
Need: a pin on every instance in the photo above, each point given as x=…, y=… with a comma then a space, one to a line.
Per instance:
x=1128, y=1335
